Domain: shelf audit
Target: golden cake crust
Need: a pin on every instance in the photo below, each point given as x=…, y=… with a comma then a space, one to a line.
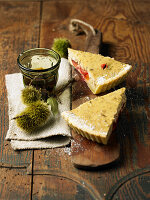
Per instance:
x=100, y=79
x=94, y=119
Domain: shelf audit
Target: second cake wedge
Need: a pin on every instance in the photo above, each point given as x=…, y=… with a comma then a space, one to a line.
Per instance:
x=95, y=119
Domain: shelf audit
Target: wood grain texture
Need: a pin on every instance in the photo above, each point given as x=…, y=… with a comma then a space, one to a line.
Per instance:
x=19, y=30
x=14, y=184
x=54, y=165
x=134, y=186
x=88, y=154
x=126, y=35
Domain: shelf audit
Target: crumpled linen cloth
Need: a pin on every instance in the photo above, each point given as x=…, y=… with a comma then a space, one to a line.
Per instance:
x=55, y=133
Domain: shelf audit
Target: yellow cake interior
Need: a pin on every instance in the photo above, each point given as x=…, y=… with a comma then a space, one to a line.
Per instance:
x=94, y=119
x=99, y=79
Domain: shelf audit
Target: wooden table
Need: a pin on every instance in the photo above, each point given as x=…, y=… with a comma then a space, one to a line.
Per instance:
x=50, y=174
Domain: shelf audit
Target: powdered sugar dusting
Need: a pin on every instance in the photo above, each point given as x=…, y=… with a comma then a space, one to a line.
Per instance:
x=77, y=121
x=102, y=133
x=67, y=150
x=127, y=67
x=100, y=80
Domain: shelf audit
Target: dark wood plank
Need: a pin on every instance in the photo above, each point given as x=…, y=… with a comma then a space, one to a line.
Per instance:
x=88, y=154
x=14, y=184
x=19, y=30
x=55, y=21
x=125, y=26
x=134, y=186
x=56, y=177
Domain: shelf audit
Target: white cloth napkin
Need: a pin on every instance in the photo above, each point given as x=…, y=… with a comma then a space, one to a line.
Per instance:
x=55, y=133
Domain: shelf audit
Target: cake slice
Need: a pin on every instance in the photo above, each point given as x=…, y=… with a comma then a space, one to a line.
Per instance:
x=96, y=119
x=99, y=72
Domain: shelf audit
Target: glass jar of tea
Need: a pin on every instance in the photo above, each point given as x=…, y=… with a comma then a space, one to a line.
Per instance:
x=39, y=68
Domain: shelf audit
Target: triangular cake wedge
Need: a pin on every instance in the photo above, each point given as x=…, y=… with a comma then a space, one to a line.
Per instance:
x=99, y=72
x=95, y=119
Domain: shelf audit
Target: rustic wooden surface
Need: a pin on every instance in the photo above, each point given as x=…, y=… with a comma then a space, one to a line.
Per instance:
x=86, y=154
x=89, y=155
x=50, y=174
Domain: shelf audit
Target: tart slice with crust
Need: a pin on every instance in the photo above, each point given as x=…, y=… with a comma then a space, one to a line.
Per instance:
x=96, y=119
x=99, y=72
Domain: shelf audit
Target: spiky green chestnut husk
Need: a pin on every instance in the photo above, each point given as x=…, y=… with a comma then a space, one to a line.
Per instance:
x=34, y=116
x=30, y=94
x=61, y=45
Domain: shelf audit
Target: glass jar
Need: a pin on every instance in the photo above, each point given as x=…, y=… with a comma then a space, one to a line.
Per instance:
x=39, y=68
